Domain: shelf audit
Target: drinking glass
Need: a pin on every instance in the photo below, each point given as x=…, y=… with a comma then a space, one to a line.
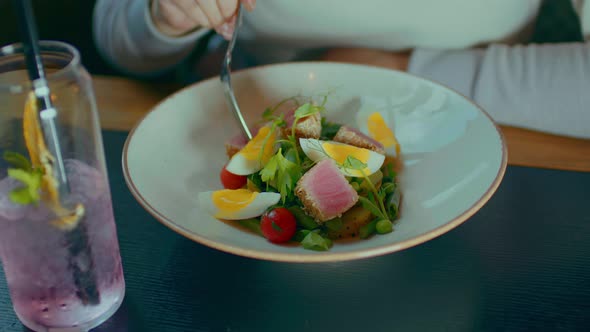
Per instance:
x=59, y=252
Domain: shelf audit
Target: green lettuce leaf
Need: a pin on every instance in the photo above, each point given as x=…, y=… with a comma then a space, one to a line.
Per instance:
x=314, y=241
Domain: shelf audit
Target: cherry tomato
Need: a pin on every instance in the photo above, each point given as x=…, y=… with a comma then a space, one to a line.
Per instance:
x=278, y=225
x=230, y=180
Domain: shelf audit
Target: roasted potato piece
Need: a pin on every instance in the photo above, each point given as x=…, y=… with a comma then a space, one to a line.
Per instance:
x=352, y=221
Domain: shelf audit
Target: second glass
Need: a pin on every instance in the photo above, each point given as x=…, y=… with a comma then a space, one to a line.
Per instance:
x=60, y=254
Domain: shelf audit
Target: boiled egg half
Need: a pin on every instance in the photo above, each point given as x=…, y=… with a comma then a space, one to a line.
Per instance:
x=318, y=150
x=371, y=122
x=252, y=157
x=236, y=204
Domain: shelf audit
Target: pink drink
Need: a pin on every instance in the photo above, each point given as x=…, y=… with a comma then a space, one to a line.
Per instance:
x=48, y=283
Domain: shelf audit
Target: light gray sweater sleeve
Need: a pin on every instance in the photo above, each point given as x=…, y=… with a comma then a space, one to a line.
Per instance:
x=540, y=87
x=127, y=38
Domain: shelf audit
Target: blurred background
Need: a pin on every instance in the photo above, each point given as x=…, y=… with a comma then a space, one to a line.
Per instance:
x=65, y=20
x=71, y=21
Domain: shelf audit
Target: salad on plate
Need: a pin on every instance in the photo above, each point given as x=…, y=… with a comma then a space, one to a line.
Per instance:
x=304, y=179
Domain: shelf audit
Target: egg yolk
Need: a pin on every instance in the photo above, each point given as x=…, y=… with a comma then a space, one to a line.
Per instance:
x=380, y=132
x=229, y=201
x=339, y=152
x=260, y=146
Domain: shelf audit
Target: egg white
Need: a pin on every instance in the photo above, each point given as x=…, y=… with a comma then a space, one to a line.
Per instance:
x=314, y=150
x=362, y=118
x=240, y=165
x=257, y=207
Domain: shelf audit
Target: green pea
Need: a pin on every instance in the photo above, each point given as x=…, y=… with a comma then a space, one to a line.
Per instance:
x=384, y=226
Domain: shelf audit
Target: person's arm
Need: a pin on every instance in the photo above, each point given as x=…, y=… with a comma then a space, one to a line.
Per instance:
x=540, y=87
x=144, y=37
x=126, y=36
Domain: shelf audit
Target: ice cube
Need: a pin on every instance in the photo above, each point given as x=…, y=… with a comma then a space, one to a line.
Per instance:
x=85, y=180
x=8, y=209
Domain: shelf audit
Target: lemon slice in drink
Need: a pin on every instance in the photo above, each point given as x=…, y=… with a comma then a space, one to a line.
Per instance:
x=41, y=157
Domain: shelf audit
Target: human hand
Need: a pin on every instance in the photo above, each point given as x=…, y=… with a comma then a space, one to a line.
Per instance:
x=379, y=58
x=178, y=17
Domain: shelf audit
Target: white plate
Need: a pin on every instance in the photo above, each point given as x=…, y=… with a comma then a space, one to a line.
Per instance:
x=454, y=154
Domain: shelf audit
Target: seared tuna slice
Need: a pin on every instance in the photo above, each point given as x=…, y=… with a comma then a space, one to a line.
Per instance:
x=325, y=192
x=354, y=137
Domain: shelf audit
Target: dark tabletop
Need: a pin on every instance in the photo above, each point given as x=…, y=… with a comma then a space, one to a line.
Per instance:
x=522, y=263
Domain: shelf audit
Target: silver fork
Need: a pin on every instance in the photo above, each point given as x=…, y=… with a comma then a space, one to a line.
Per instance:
x=226, y=79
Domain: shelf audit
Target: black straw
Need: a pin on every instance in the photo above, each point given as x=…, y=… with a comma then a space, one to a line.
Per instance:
x=78, y=244
x=30, y=40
